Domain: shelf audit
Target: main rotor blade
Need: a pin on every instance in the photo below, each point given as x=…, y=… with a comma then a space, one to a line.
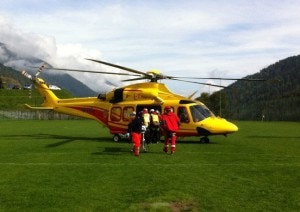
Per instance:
x=134, y=79
x=220, y=86
x=95, y=72
x=120, y=67
x=218, y=78
x=166, y=76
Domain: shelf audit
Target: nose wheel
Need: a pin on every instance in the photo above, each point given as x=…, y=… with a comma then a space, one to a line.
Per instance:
x=204, y=140
x=116, y=138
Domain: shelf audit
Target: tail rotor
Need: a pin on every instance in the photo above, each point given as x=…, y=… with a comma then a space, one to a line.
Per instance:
x=27, y=75
x=40, y=69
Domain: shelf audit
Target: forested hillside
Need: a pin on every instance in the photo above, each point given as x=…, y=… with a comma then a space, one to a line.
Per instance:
x=277, y=98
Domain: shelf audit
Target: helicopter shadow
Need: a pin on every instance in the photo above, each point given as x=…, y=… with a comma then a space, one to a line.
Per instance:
x=122, y=151
x=272, y=136
x=195, y=142
x=112, y=151
x=59, y=139
x=188, y=142
x=69, y=139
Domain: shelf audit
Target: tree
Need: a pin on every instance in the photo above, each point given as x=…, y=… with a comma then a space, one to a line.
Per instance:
x=1, y=83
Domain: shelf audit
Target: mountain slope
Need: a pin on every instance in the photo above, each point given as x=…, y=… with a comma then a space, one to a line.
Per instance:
x=278, y=98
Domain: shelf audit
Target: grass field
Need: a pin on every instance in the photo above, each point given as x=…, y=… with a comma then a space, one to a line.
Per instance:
x=75, y=166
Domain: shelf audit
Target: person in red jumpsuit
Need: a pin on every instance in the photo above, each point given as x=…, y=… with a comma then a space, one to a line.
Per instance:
x=170, y=124
x=135, y=129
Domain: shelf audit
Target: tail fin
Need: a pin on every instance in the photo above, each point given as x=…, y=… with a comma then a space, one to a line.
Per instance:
x=50, y=99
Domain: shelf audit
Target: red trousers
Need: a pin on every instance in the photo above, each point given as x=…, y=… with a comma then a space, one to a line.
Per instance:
x=136, y=140
x=170, y=138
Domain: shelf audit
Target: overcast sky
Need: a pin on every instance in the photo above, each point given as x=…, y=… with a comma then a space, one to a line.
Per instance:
x=200, y=38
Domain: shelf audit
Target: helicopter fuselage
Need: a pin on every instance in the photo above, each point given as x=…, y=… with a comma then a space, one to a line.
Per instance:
x=113, y=109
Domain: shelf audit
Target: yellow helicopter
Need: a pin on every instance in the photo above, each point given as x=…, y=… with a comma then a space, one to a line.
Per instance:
x=113, y=109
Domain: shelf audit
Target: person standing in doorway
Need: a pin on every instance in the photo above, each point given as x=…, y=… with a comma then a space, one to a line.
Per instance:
x=154, y=126
x=170, y=125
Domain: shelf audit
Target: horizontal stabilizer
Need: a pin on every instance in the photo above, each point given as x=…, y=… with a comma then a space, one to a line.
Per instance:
x=38, y=108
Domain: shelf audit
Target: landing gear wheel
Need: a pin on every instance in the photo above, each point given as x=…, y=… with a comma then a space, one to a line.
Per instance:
x=204, y=140
x=116, y=138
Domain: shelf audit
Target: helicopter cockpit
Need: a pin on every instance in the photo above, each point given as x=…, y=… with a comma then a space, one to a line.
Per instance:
x=200, y=112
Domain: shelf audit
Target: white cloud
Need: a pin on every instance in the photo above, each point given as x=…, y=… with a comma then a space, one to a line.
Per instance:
x=29, y=45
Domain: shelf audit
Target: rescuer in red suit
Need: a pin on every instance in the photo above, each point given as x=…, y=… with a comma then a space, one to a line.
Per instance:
x=170, y=124
x=135, y=129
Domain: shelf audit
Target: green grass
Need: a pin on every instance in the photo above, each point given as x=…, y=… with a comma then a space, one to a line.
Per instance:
x=75, y=166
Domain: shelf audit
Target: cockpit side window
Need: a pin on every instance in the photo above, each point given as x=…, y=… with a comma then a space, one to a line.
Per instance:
x=199, y=112
x=183, y=115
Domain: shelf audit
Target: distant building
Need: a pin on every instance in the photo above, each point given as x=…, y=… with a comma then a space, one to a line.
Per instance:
x=54, y=87
x=27, y=86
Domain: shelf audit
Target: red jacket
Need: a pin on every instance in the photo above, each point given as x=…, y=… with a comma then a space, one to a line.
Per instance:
x=171, y=122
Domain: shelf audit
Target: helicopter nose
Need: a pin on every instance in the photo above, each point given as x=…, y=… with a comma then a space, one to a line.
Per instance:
x=218, y=126
x=231, y=128
x=222, y=126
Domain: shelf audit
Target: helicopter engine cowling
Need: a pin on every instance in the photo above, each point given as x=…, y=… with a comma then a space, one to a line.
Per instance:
x=149, y=93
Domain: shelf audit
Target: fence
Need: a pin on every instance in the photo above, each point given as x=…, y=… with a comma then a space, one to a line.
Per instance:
x=34, y=115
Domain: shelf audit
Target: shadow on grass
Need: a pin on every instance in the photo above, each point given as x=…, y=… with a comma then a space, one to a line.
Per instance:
x=272, y=136
x=63, y=139
x=180, y=141
x=195, y=142
x=112, y=151
x=123, y=150
x=68, y=139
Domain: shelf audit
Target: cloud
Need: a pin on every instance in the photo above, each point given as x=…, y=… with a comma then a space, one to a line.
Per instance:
x=28, y=49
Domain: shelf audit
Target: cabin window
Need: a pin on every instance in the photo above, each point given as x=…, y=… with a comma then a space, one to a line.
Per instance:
x=183, y=115
x=199, y=112
x=126, y=113
x=115, y=114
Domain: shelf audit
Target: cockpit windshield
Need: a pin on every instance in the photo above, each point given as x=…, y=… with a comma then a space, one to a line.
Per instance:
x=200, y=112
